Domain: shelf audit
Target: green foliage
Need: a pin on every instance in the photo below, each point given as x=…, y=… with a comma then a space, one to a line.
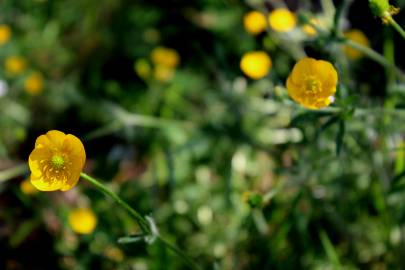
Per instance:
x=230, y=169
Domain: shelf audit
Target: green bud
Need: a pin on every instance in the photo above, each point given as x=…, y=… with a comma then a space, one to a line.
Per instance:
x=379, y=7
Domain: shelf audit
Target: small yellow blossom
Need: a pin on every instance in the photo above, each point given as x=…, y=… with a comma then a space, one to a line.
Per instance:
x=312, y=83
x=254, y=22
x=256, y=64
x=15, y=65
x=282, y=20
x=163, y=73
x=5, y=34
x=27, y=188
x=142, y=68
x=165, y=57
x=56, y=161
x=358, y=37
x=82, y=220
x=114, y=254
x=309, y=29
x=34, y=84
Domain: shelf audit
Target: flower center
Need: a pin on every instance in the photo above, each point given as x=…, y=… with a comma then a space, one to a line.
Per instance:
x=312, y=85
x=57, y=161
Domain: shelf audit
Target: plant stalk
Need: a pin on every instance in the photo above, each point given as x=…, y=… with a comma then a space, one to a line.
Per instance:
x=143, y=223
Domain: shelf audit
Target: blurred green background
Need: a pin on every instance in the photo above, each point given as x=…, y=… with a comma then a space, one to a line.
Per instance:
x=231, y=170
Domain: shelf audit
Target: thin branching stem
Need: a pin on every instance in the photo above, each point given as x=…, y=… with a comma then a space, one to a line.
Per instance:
x=142, y=222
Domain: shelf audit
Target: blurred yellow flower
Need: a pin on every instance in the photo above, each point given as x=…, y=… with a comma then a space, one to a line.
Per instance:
x=163, y=73
x=142, y=68
x=56, y=161
x=82, y=220
x=15, y=64
x=114, y=254
x=254, y=22
x=312, y=83
x=27, y=188
x=282, y=20
x=256, y=64
x=5, y=34
x=358, y=37
x=165, y=57
x=309, y=29
x=34, y=84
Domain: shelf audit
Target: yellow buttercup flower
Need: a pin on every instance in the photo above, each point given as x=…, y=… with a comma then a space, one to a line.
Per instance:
x=312, y=83
x=5, y=34
x=165, y=57
x=56, y=161
x=15, y=65
x=27, y=188
x=82, y=220
x=309, y=29
x=282, y=20
x=34, y=84
x=254, y=22
x=256, y=64
x=142, y=68
x=114, y=254
x=358, y=37
x=163, y=73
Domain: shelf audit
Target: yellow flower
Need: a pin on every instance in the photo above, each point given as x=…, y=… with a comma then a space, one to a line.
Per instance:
x=282, y=20
x=15, y=64
x=5, y=34
x=27, y=188
x=309, y=29
x=56, y=161
x=312, y=83
x=34, y=84
x=165, y=57
x=114, y=254
x=142, y=68
x=358, y=37
x=254, y=22
x=256, y=64
x=82, y=220
x=163, y=73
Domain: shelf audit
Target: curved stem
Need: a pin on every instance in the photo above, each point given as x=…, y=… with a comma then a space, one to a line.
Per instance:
x=375, y=56
x=143, y=223
x=139, y=219
x=395, y=25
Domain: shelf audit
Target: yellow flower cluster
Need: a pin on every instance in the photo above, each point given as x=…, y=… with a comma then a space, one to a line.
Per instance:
x=82, y=220
x=256, y=64
x=280, y=20
x=56, y=161
x=312, y=83
x=5, y=34
x=165, y=61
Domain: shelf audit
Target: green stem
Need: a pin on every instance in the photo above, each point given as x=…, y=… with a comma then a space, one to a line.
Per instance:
x=143, y=223
x=374, y=56
x=13, y=172
x=395, y=25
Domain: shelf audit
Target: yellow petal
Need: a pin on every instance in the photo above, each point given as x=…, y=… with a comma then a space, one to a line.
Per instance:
x=44, y=185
